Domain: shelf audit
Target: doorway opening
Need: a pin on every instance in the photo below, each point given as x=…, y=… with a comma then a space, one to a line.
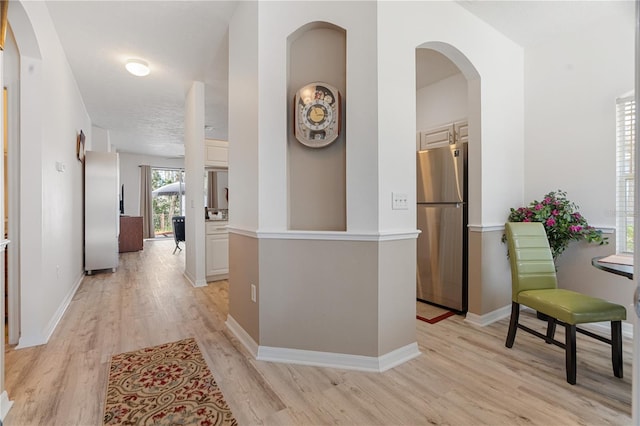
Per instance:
x=441, y=170
x=167, y=190
x=12, y=183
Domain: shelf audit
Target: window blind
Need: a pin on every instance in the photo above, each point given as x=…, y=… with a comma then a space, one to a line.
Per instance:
x=625, y=172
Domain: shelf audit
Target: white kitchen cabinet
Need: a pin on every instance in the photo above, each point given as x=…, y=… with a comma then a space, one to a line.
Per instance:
x=437, y=137
x=216, y=153
x=217, y=250
x=461, y=131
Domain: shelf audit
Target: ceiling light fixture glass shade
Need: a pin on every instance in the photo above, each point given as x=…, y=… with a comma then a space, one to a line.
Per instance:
x=137, y=67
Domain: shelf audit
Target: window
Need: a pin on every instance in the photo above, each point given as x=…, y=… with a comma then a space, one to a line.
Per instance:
x=625, y=172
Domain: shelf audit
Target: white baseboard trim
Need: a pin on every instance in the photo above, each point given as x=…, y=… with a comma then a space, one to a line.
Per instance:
x=598, y=327
x=30, y=340
x=201, y=283
x=337, y=360
x=489, y=318
x=27, y=341
x=219, y=277
x=244, y=337
x=323, y=359
x=5, y=405
x=195, y=283
x=504, y=312
x=604, y=328
x=399, y=356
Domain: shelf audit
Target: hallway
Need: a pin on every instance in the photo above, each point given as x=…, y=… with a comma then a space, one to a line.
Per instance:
x=464, y=376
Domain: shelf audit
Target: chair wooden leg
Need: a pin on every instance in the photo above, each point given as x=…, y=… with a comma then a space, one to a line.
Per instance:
x=570, y=353
x=616, y=347
x=513, y=324
x=551, y=329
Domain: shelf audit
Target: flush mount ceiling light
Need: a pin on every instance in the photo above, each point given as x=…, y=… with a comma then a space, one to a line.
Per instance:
x=137, y=67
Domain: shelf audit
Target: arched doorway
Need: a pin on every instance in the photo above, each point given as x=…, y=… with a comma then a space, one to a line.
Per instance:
x=11, y=82
x=22, y=122
x=448, y=106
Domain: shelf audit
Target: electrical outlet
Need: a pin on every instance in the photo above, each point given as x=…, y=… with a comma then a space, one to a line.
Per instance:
x=253, y=292
x=399, y=201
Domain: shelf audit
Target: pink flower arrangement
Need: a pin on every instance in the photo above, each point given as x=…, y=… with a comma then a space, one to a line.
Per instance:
x=561, y=221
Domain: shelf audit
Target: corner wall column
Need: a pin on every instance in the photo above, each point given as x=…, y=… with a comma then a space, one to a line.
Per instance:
x=195, y=270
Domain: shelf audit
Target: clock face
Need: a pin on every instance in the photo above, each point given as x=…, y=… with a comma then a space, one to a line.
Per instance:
x=317, y=115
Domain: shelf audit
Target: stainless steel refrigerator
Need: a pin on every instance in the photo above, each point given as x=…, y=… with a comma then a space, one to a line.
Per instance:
x=442, y=220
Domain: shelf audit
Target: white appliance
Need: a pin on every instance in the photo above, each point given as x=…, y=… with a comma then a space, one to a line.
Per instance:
x=101, y=216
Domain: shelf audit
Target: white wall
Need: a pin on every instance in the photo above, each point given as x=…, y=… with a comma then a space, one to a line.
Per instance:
x=100, y=140
x=571, y=85
x=52, y=113
x=442, y=102
x=194, y=189
x=496, y=135
x=494, y=68
x=243, y=117
x=130, y=176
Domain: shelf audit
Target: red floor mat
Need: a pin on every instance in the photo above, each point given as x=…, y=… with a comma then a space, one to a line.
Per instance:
x=436, y=319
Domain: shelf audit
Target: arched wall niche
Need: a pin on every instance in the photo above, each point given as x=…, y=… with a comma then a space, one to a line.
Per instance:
x=316, y=177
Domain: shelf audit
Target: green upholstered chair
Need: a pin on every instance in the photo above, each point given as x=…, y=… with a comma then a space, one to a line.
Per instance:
x=534, y=284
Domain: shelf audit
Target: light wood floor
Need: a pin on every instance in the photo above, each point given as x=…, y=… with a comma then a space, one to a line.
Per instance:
x=465, y=375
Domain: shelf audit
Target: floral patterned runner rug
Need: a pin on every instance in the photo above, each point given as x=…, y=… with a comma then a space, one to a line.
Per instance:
x=162, y=385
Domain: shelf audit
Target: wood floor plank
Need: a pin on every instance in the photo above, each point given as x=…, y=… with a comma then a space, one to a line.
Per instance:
x=464, y=376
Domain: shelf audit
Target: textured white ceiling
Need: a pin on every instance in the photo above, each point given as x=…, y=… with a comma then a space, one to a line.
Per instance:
x=186, y=41
x=531, y=22
x=183, y=41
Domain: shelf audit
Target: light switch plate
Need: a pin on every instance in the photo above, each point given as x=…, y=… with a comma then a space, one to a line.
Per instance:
x=399, y=201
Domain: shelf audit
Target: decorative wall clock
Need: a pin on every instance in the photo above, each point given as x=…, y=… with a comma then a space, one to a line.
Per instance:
x=317, y=114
